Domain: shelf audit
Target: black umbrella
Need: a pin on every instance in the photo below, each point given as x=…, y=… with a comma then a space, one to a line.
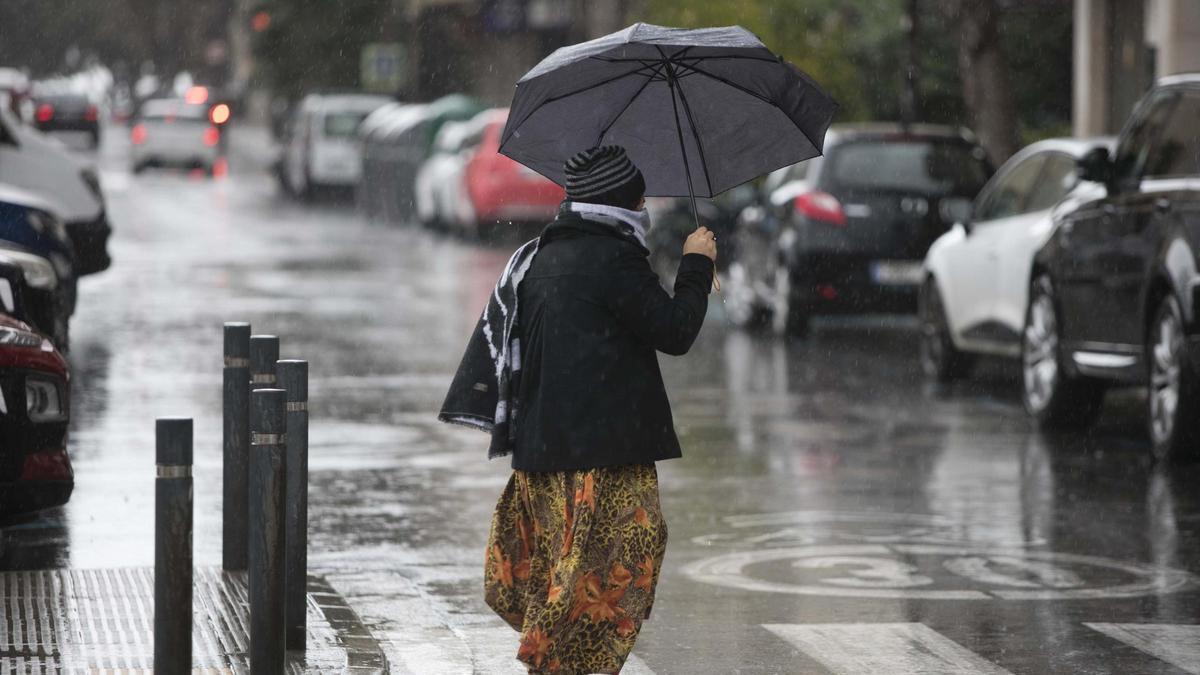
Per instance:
x=699, y=111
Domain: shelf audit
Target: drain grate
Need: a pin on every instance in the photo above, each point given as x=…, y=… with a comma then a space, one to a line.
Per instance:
x=54, y=621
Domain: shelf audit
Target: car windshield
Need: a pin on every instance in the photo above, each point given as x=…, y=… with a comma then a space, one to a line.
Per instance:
x=343, y=124
x=925, y=166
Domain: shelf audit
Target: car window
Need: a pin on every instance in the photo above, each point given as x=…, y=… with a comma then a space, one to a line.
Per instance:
x=1010, y=193
x=1058, y=176
x=343, y=124
x=1176, y=151
x=926, y=166
x=1136, y=141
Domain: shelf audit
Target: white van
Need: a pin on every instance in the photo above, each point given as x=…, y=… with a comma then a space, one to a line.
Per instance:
x=320, y=145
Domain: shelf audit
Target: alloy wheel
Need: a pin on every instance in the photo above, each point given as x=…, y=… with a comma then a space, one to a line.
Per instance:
x=1040, y=352
x=1165, y=370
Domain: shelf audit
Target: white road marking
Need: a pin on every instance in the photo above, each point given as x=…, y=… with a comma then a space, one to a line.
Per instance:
x=893, y=648
x=1178, y=645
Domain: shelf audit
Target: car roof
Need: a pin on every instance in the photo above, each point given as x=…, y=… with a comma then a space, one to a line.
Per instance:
x=1182, y=79
x=1076, y=147
x=841, y=132
x=328, y=102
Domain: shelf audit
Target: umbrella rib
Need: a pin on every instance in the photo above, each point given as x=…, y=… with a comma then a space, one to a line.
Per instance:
x=687, y=109
x=552, y=99
x=656, y=76
x=687, y=170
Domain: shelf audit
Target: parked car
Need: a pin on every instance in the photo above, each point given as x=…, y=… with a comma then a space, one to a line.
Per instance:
x=67, y=112
x=1113, y=292
x=440, y=187
x=846, y=232
x=35, y=164
x=35, y=240
x=502, y=190
x=320, y=142
x=976, y=291
x=673, y=220
x=35, y=469
x=173, y=132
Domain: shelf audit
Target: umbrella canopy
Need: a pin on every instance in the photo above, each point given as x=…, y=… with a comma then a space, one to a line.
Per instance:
x=699, y=111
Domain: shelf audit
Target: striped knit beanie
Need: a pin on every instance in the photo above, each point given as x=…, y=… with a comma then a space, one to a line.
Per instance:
x=604, y=175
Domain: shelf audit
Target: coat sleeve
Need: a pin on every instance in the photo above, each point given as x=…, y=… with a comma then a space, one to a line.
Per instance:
x=669, y=324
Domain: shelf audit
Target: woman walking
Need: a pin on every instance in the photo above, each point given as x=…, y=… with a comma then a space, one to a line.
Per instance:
x=563, y=372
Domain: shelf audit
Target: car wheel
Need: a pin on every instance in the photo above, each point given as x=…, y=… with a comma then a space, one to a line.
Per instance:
x=1172, y=412
x=739, y=299
x=789, y=316
x=1051, y=395
x=940, y=359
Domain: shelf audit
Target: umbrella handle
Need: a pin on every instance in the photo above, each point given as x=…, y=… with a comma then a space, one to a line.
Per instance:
x=716, y=284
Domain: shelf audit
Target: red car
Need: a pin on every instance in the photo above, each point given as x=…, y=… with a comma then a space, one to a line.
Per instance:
x=35, y=469
x=502, y=190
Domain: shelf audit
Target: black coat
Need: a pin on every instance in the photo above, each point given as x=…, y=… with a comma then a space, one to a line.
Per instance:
x=592, y=314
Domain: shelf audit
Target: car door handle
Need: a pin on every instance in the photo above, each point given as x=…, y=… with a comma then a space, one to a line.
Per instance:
x=1162, y=205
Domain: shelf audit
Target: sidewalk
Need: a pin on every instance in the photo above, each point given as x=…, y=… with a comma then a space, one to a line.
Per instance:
x=101, y=620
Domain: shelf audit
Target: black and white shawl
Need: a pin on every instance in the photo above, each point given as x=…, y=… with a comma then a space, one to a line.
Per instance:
x=483, y=394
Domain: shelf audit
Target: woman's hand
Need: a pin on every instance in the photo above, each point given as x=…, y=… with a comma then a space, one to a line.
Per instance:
x=702, y=241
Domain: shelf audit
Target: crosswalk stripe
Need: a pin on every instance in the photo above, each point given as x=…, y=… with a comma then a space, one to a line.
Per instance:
x=894, y=648
x=1177, y=644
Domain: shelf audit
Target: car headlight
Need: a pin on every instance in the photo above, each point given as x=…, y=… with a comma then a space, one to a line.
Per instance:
x=47, y=224
x=39, y=272
x=14, y=337
x=43, y=401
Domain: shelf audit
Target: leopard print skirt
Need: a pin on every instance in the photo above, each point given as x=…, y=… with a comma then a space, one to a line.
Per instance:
x=572, y=563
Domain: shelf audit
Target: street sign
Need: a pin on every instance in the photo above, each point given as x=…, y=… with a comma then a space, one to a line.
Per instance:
x=384, y=67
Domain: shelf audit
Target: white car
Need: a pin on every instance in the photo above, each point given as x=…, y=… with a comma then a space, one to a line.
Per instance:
x=173, y=132
x=320, y=146
x=976, y=288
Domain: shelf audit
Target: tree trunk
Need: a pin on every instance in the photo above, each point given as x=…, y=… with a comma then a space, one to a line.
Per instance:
x=987, y=90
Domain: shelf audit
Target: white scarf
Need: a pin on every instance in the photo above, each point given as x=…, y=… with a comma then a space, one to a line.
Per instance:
x=637, y=221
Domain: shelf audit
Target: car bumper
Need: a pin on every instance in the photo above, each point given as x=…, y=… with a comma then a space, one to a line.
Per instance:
x=850, y=284
x=90, y=241
x=23, y=492
x=91, y=127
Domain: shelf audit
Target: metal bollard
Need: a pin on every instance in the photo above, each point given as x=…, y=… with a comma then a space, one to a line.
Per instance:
x=236, y=449
x=264, y=352
x=293, y=378
x=268, y=447
x=173, y=546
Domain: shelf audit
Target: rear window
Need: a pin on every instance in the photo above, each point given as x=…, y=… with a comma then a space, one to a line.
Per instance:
x=924, y=166
x=174, y=111
x=343, y=124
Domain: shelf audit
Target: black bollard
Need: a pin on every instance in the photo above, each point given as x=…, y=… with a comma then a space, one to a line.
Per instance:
x=236, y=453
x=268, y=447
x=173, y=547
x=264, y=352
x=293, y=378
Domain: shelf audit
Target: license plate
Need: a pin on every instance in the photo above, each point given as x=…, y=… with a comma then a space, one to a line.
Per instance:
x=896, y=272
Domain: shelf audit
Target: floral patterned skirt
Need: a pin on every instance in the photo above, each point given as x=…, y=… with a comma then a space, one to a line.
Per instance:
x=572, y=563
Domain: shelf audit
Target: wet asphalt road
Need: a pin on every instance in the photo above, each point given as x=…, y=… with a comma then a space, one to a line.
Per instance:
x=833, y=513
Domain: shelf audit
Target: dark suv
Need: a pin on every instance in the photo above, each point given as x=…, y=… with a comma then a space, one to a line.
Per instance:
x=1113, y=296
x=847, y=232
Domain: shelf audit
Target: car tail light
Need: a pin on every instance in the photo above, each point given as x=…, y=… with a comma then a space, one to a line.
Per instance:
x=219, y=114
x=138, y=134
x=91, y=114
x=821, y=206
x=45, y=112
x=52, y=465
x=211, y=136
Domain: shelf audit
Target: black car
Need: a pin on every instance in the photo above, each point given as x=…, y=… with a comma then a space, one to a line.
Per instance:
x=1113, y=293
x=846, y=232
x=34, y=239
x=67, y=112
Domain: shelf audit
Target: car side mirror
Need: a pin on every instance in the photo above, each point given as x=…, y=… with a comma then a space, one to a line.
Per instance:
x=1096, y=166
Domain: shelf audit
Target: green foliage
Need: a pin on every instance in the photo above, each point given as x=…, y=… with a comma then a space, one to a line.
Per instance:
x=857, y=49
